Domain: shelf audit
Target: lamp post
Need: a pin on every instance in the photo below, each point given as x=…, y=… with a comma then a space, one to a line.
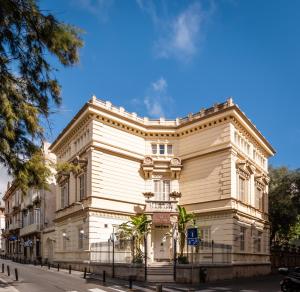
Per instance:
x=175, y=236
x=112, y=239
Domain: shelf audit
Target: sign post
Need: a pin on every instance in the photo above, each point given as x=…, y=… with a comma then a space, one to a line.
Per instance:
x=192, y=236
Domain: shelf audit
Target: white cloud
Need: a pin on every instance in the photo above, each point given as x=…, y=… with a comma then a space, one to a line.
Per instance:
x=160, y=85
x=154, y=106
x=157, y=102
x=99, y=8
x=179, y=36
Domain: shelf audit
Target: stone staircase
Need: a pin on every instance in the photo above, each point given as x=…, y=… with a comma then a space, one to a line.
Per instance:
x=161, y=272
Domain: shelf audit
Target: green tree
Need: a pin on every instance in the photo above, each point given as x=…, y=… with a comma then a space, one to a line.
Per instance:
x=183, y=219
x=135, y=229
x=284, y=203
x=28, y=87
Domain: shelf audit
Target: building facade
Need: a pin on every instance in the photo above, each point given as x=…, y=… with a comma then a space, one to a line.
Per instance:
x=26, y=216
x=214, y=163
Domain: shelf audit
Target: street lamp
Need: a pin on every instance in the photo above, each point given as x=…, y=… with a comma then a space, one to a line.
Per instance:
x=112, y=239
x=175, y=237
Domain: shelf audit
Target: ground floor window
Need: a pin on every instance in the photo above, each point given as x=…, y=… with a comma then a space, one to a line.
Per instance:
x=80, y=237
x=205, y=233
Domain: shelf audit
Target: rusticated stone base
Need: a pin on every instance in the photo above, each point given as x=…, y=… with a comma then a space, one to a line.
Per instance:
x=189, y=274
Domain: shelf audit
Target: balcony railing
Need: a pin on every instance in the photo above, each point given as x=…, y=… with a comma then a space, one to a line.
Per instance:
x=161, y=206
x=32, y=228
x=14, y=226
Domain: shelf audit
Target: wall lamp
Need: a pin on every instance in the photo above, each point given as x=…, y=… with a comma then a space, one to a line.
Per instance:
x=82, y=234
x=65, y=236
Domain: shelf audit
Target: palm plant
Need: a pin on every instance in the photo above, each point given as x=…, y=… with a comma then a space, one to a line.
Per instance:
x=183, y=219
x=135, y=229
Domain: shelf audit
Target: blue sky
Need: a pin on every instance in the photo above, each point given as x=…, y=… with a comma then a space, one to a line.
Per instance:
x=171, y=58
x=174, y=57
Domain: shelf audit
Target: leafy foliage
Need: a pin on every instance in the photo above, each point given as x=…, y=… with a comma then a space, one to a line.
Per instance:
x=284, y=203
x=183, y=219
x=67, y=167
x=27, y=84
x=135, y=229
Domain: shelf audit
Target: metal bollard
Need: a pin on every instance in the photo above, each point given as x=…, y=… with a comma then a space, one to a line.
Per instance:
x=34, y=262
x=49, y=266
x=103, y=276
x=158, y=287
x=8, y=271
x=2, y=268
x=70, y=269
x=84, y=275
x=57, y=267
x=130, y=283
x=16, y=274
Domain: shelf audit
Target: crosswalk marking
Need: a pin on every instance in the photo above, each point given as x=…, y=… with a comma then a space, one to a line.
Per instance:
x=134, y=286
x=97, y=290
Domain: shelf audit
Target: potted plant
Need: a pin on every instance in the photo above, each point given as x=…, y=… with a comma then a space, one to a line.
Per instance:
x=175, y=195
x=148, y=195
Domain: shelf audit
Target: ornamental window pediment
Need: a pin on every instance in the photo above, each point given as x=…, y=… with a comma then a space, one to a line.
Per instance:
x=244, y=169
x=151, y=166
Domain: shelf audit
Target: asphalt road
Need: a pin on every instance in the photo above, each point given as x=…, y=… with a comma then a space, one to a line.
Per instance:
x=37, y=279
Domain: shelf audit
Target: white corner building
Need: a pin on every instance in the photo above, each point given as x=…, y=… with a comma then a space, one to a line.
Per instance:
x=217, y=159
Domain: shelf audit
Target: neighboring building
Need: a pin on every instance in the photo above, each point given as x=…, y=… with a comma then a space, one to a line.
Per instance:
x=12, y=201
x=26, y=217
x=216, y=159
x=2, y=226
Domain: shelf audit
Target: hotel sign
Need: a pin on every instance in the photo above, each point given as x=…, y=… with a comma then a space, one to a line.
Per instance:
x=161, y=218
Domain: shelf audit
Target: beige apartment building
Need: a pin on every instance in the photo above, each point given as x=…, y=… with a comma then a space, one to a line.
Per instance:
x=216, y=159
x=27, y=216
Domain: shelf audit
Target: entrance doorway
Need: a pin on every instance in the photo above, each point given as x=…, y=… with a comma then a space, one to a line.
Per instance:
x=161, y=240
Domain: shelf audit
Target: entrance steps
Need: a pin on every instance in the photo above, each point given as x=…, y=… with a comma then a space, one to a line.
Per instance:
x=160, y=272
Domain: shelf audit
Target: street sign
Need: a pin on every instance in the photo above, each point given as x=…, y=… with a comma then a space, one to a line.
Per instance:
x=192, y=236
x=13, y=238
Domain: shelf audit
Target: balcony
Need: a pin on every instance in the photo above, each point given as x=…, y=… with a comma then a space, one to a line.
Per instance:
x=153, y=206
x=14, y=226
x=32, y=228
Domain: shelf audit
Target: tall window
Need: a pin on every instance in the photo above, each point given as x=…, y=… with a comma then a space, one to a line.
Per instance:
x=82, y=186
x=37, y=215
x=162, y=190
x=242, y=186
x=259, y=198
x=64, y=195
x=242, y=238
x=259, y=241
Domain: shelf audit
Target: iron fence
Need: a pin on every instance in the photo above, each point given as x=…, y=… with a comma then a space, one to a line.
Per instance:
x=118, y=251
x=209, y=252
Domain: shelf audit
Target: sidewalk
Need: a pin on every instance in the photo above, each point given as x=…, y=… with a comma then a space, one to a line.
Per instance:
x=6, y=284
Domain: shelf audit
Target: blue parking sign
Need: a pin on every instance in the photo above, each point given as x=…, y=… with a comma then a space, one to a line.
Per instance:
x=192, y=236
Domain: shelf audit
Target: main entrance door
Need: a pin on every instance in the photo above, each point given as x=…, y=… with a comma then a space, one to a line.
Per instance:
x=161, y=243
